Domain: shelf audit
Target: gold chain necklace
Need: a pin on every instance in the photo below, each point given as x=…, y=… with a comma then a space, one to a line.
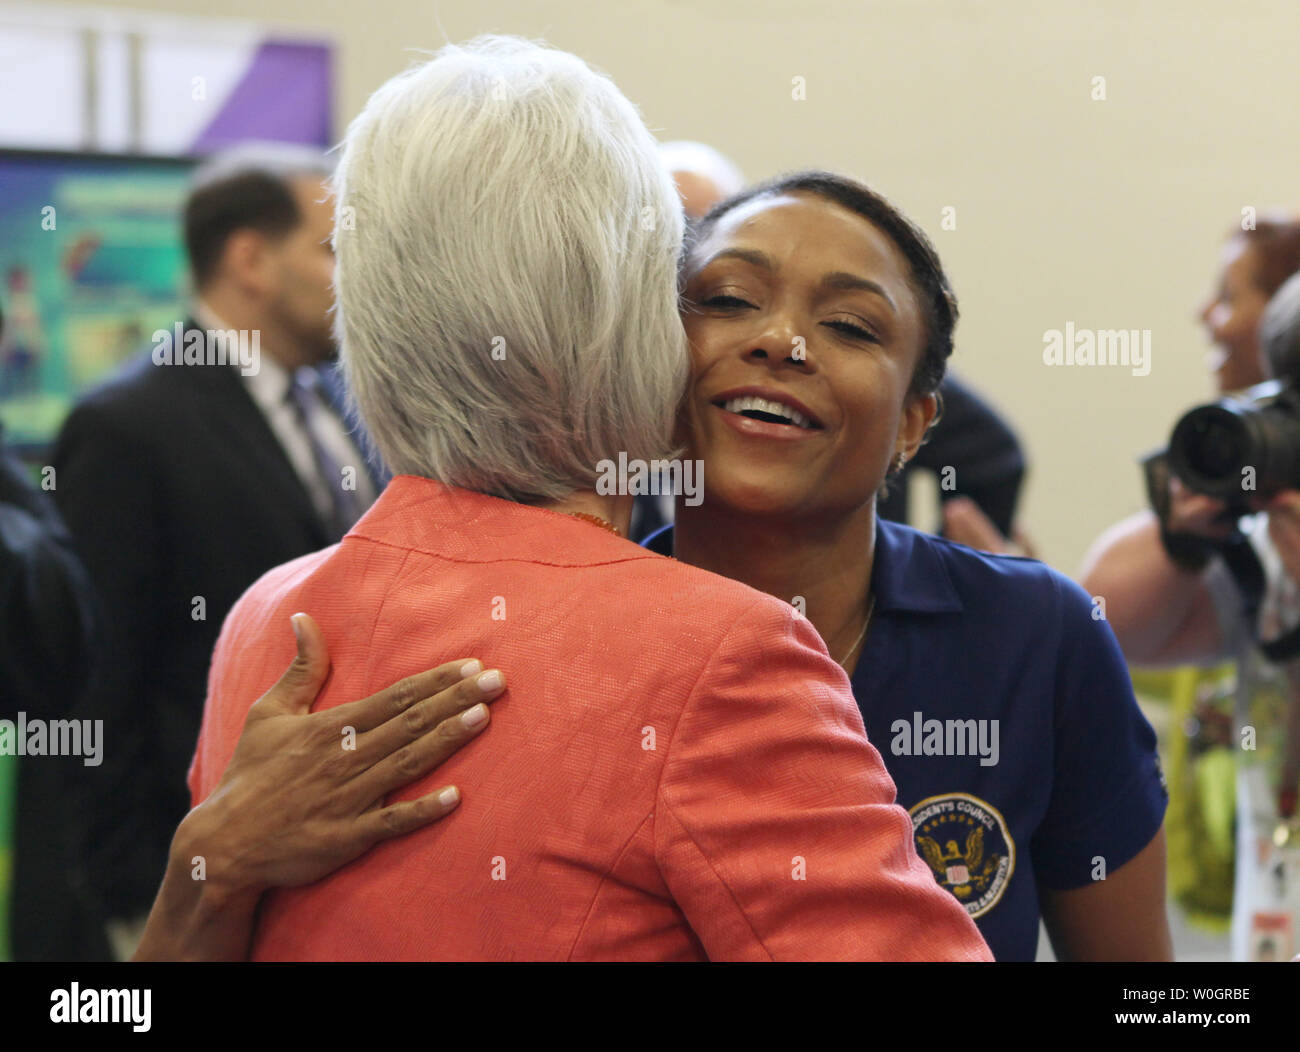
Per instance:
x=596, y=520
x=871, y=609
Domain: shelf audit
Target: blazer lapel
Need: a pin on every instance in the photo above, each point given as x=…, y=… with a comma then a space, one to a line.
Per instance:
x=231, y=411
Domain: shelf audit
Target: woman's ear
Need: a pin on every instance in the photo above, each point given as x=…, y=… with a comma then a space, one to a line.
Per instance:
x=919, y=412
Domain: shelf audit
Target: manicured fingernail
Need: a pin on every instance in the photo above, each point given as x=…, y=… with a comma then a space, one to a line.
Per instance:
x=490, y=681
x=449, y=796
x=471, y=668
x=297, y=628
x=473, y=717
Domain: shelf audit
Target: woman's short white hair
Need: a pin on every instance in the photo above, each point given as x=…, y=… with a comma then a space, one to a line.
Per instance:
x=507, y=240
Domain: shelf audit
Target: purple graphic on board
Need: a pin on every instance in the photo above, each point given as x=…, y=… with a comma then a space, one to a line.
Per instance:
x=285, y=95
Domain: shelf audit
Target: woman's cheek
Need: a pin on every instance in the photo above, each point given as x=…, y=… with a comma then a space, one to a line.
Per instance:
x=702, y=349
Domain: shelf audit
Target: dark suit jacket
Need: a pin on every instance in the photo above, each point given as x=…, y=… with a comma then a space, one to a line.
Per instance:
x=45, y=609
x=972, y=438
x=179, y=496
x=46, y=647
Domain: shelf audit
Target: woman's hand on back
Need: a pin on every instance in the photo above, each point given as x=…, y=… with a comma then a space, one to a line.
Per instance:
x=304, y=794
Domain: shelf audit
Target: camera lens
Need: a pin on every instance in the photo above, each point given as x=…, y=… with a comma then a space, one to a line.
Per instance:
x=1239, y=448
x=1209, y=447
x=1214, y=447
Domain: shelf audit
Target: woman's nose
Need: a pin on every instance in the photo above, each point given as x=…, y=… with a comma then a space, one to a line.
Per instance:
x=781, y=342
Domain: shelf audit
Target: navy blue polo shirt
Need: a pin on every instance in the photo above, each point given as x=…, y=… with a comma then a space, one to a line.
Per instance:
x=1004, y=712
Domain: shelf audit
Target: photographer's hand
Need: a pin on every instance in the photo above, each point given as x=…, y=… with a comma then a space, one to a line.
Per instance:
x=1196, y=514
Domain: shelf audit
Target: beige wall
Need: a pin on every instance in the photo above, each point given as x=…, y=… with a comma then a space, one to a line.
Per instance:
x=1107, y=214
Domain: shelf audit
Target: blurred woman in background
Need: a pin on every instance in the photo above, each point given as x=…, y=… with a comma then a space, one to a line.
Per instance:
x=1253, y=264
x=1172, y=598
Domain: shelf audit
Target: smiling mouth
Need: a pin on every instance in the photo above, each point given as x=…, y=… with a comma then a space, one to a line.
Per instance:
x=768, y=411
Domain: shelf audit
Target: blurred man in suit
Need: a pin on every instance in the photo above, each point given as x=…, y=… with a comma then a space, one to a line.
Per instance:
x=216, y=454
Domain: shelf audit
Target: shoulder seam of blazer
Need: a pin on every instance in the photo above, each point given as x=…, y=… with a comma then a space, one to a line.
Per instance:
x=759, y=605
x=758, y=940
x=371, y=653
x=604, y=878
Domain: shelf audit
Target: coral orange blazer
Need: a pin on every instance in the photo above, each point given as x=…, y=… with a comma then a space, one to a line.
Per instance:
x=677, y=771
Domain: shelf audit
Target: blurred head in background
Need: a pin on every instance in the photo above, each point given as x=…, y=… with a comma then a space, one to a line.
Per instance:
x=258, y=222
x=702, y=174
x=1253, y=264
x=1279, y=332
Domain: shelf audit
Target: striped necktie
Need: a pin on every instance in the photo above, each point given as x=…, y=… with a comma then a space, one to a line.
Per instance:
x=305, y=396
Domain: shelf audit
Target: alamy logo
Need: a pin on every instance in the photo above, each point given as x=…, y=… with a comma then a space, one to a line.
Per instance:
x=76, y=1005
x=641, y=478
x=26, y=737
x=922, y=737
x=181, y=346
x=1124, y=347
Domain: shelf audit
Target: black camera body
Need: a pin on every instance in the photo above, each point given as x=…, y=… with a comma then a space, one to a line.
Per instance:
x=1240, y=448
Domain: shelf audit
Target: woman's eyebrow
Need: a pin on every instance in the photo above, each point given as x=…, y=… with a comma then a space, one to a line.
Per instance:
x=843, y=280
x=840, y=280
x=746, y=255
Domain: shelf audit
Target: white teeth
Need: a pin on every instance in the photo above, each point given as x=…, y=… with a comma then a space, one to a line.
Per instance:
x=740, y=405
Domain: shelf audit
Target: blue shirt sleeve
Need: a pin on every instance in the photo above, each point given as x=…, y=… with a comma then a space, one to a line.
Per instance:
x=1108, y=792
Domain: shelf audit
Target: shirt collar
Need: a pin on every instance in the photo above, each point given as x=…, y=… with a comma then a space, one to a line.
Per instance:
x=269, y=386
x=908, y=574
